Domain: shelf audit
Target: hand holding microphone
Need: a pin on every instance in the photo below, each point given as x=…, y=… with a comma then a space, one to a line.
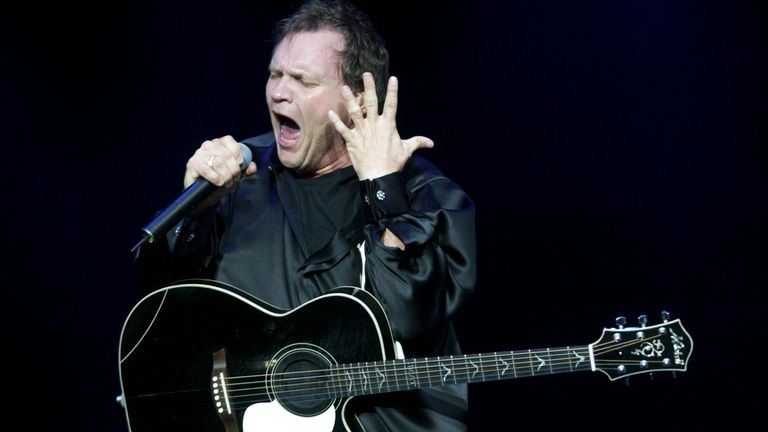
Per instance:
x=211, y=172
x=221, y=161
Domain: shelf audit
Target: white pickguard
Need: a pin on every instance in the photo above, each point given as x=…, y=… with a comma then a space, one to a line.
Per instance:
x=272, y=416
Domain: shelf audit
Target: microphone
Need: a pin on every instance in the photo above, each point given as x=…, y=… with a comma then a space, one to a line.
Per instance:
x=193, y=195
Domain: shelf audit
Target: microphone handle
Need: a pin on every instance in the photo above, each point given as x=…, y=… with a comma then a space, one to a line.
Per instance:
x=174, y=213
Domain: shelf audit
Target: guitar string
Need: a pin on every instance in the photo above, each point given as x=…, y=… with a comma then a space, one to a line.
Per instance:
x=566, y=352
x=310, y=394
x=351, y=381
x=489, y=367
x=399, y=367
x=397, y=363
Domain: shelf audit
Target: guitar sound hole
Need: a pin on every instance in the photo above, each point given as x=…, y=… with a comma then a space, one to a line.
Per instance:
x=301, y=382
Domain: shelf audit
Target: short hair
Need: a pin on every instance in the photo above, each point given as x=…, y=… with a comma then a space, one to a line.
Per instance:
x=364, y=49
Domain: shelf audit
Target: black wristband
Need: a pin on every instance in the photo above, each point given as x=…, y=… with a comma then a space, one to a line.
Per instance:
x=384, y=197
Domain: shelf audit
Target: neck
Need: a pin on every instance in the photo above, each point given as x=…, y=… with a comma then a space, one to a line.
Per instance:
x=409, y=374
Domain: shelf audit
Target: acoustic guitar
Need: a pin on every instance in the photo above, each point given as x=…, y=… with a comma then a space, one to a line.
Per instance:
x=205, y=356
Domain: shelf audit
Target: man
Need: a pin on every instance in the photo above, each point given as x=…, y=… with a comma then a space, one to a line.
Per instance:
x=335, y=197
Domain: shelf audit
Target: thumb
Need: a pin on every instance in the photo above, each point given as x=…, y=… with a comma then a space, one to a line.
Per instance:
x=251, y=170
x=418, y=142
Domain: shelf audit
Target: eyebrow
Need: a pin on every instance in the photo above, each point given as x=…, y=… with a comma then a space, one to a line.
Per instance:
x=296, y=73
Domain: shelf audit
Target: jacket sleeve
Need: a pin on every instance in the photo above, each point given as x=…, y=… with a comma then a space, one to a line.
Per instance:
x=185, y=252
x=422, y=286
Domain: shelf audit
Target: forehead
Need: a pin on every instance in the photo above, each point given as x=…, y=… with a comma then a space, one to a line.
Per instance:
x=309, y=52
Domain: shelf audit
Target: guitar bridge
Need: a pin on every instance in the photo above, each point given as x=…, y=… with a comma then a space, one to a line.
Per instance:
x=219, y=393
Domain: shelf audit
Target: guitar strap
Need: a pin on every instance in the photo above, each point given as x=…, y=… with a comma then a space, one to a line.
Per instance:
x=361, y=249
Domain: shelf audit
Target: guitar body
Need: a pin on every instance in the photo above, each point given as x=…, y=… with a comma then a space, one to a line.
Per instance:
x=169, y=339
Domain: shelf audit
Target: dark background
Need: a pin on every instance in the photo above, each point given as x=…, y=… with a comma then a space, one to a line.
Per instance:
x=615, y=151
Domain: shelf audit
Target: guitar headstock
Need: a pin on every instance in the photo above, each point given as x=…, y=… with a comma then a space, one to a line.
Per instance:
x=625, y=351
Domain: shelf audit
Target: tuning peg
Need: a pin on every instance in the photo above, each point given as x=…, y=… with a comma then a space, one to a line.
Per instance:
x=621, y=321
x=642, y=320
x=665, y=316
x=650, y=376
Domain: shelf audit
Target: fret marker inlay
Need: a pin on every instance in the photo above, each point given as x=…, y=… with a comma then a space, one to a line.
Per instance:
x=506, y=366
x=447, y=372
x=580, y=357
x=383, y=378
x=477, y=369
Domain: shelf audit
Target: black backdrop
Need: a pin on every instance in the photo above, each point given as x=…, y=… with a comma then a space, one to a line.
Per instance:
x=615, y=151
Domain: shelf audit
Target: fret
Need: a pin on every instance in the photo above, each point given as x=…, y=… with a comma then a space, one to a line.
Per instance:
x=580, y=358
x=353, y=375
x=466, y=368
x=568, y=355
x=374, y=378
x=413, y=376
x=435, y=378
x=358, y=380
x=386, y=375
x=444, y=371
x=538, y=363
x=506, y=364
x=329, y=381
x=530, y=363
x=474, y=369
x=514, y=366
x=381, y=378
x=496, y=362
x=480, y=365
x=453, y=368
x=332, y=383
x=350, y=383
x=422, y=371
x=335, y=380
x=394, y=371
x=438, y=371
x=549, y=357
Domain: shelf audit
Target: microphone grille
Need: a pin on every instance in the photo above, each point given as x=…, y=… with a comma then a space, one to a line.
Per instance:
x=247, y=156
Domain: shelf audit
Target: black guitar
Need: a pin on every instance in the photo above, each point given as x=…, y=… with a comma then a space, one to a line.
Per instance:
x=204, y=356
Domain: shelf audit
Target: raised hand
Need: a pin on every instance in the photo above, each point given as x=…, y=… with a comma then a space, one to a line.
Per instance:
x=374, y=145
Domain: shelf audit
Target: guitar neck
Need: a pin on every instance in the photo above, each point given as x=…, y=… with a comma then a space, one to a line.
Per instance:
x=356, y=379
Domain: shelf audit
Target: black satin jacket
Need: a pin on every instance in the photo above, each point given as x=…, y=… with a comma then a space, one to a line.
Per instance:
x=253, y=240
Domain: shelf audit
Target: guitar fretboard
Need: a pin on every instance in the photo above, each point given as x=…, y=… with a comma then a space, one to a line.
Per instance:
x=408, y=374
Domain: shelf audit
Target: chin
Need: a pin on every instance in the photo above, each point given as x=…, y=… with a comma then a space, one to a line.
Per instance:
x=288, y=159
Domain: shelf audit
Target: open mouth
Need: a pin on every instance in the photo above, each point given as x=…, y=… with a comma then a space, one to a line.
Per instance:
x=289, y=129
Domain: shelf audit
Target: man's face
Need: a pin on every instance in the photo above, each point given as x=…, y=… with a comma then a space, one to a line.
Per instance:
x=304, y=84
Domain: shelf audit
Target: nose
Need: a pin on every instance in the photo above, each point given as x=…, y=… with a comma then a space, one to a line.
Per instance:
x=279, y=90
